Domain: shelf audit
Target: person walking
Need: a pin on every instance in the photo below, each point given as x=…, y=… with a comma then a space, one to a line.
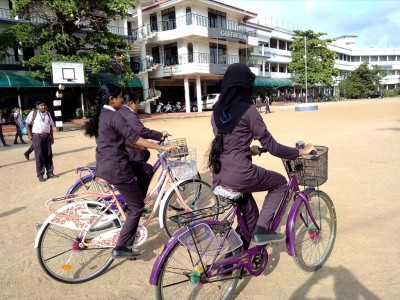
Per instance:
x=258, y=103
x=113, y=135
x=138, y=156
x=1, y=132
x=39, y=126
x=267, y=110
x=236, y=124
x=17, y=120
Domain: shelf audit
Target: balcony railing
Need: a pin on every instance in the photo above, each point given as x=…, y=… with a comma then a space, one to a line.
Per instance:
x=190, y=19
x=10, y=60
x=183, y=59
x=5, y=13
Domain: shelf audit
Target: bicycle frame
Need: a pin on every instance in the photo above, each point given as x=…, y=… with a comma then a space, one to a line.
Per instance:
x=244, y=259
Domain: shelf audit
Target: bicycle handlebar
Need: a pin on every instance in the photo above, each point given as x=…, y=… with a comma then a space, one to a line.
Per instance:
x=299, y=145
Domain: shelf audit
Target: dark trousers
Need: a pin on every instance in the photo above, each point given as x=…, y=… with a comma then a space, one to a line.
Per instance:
x=43, y=153
x=143, y=173
x=132, y=196
x=18, y=134
x=275, y=184
x=30, y=150
x=1, y=135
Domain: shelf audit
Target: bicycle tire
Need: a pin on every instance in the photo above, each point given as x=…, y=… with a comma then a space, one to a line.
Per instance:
x=312, y=248
x=197, y=193
x=177, y=207
x=174, y=282
x=56, y=254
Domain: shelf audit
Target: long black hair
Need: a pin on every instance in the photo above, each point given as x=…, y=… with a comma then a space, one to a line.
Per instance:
x=235, y=100
x=106, y=91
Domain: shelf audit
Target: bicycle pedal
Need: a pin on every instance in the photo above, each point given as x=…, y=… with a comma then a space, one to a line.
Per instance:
x=133, y=258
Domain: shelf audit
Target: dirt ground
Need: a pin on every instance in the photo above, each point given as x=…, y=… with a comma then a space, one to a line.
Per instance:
x=363, y=138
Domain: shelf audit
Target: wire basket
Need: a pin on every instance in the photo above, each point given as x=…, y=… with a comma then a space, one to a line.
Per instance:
x=202, y=239
x=182, y=162
x=309, y=170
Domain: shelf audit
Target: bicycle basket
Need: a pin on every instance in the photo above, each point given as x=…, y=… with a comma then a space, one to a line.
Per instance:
x=309, y=170
x=201, y=238
x=182, y=162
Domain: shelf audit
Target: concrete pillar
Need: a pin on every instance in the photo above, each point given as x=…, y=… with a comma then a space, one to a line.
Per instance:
x=187, y=94
x=198, y=93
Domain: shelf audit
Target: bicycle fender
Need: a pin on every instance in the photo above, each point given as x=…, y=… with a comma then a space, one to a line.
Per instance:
x=162, y=205
x=167, y=248
x=49, y=218
x=290, y=223
x=78, y=181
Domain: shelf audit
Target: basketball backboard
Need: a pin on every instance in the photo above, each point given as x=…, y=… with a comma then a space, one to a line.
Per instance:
x=67, y=72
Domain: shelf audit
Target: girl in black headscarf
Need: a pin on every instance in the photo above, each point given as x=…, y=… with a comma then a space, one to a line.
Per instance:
x=236, y=123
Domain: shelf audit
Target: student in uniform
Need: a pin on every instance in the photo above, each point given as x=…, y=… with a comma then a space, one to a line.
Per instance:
x=138, y=156
x=17, y=123
x=113, y=135
x=236, y=123
x=39, y=126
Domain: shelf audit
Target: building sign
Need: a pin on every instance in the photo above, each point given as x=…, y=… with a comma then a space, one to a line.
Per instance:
x=221, y=33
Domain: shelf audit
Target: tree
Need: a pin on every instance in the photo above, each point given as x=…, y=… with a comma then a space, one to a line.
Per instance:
x=320, y=60
x=72, y=31
x=362, y=80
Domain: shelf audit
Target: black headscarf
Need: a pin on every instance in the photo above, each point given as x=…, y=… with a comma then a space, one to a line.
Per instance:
x=236, y=97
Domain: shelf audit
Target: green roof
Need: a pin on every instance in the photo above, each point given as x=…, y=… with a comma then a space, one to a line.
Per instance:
x=263, y=81
x=18, y=78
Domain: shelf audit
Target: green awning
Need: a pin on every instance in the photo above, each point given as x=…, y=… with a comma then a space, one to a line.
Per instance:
x=18, y=78
x=263, y=81
x=14, y=78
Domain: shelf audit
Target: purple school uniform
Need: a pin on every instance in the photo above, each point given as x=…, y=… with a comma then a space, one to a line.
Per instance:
x=133, y=120
x=112, y=159
x=113, y=165
x=239, y=172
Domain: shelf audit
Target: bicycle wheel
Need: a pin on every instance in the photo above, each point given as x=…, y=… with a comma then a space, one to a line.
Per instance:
x=177, y=206
x=195, y=193
x=64, y=259
x=313, y=247
x=174, y=281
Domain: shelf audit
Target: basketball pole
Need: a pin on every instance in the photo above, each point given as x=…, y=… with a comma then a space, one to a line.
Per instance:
x=57, y=105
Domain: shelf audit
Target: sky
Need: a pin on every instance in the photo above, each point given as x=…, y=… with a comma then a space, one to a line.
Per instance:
x=375, y=22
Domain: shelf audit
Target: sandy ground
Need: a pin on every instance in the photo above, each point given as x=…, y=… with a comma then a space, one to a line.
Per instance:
x=363, y=137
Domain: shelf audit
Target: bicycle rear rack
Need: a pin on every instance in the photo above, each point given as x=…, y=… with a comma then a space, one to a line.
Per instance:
x=194, y=215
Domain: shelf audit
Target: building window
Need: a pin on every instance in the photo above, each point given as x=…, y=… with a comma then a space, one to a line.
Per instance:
x=190, y=52
x=382, y=58
x=273, y=43
x=188, y=16
x=171, y=54
x=155, y=52
x=153, y=22
x=355, y=59
x=168, y=19
x=374, y=58
x=392, y=57
x=216, y=19
x=282, y=45
x=365, y=58
x=217, y=53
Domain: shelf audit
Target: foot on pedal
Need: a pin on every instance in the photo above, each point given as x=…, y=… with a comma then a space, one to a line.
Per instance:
x=123, y=252
x=263, y=236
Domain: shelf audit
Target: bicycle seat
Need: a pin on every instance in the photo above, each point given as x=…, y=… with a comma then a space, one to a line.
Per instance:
x=226, y=192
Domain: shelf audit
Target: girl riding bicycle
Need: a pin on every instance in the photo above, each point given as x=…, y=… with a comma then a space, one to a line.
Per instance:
x=112, y=135
x=236, y=123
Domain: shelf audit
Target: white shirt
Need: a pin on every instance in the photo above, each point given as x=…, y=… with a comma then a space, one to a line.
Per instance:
x=17, y=117
x=42, y=122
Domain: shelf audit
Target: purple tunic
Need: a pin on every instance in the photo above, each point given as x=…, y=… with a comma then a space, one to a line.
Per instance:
x=237, y=168
x=133, y=120
x=112, y=159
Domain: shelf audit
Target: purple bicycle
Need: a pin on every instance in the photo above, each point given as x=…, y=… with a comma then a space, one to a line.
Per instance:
x=205, y=258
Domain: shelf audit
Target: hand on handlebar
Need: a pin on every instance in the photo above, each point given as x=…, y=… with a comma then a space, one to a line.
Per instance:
x=165, y=134
x=255, y=150
x=307, y=149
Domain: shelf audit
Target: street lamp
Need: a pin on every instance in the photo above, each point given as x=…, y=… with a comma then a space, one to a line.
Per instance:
x=305, y=106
